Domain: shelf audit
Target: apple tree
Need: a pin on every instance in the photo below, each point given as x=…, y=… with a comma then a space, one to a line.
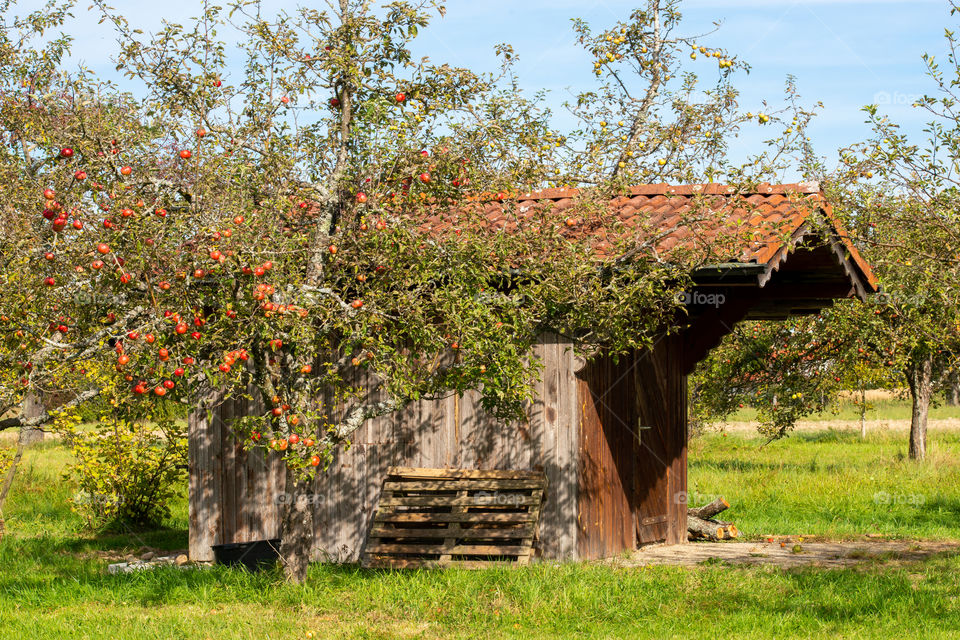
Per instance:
x=267, y=232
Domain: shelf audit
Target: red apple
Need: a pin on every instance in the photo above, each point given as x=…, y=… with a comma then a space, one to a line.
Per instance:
x=125, y=171
x=80, y=175
x=66, y=152
x=186, y=154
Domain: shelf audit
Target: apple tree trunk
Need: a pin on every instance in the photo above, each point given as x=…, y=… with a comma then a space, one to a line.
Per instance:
x=953, y=390
x=920, y=379
x=296, y=529
x=32, y=407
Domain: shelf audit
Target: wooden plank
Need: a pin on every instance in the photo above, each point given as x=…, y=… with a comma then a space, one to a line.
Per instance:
x=451, y=532
x=569, y=455
x=203, y=481
x=480, y=518
x=527, y=544
x=420, y=563
x=413, y=472
x=230, y=516
x=502, y=484
x=548, y=423
x=512, y=501
x=452, y=529
x=437, y=549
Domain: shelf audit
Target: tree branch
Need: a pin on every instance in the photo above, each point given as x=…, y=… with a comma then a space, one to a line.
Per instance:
x=18, y=421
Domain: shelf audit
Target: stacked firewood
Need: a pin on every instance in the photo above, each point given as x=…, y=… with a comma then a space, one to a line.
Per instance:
x=701, y=524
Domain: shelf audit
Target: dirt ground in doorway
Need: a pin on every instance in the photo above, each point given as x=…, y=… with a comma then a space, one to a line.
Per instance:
x=787, y=552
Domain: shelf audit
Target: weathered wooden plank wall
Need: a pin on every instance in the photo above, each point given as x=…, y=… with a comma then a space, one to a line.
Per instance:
x=234, y=497
x=230, y=490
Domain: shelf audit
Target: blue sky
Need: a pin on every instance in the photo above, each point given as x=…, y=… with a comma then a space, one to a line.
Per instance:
x=844, y=53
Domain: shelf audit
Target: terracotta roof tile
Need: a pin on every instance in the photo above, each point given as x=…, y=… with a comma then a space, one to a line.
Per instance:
x=772, y=213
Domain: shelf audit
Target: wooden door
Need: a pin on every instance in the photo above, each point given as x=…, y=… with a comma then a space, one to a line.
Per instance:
x=661, y=448
x=606, y=459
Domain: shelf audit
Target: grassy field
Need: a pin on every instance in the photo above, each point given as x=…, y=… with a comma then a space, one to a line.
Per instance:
x=828, y=483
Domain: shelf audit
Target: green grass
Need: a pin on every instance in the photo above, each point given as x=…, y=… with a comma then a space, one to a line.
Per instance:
x=53, y=582
x=830, y=483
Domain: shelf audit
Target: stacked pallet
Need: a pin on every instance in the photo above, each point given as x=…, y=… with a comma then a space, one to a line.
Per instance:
x=455, y=517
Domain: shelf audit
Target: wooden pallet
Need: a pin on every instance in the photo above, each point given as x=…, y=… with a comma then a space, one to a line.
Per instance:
x=455, y=517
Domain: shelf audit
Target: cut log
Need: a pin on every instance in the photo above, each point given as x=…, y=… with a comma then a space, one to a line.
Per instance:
x=701, y=524
x=704, y=529
x=707, y=511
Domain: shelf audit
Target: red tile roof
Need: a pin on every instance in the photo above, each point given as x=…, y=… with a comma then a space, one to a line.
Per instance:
x=712, y=221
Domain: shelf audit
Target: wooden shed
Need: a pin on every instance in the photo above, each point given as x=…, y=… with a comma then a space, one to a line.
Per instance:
x=611, y=437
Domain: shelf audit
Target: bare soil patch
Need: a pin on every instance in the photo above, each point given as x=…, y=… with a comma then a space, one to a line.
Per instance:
x=946, y=424
x=787, y=552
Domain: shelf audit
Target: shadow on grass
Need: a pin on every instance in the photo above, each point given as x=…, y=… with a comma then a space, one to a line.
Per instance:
x=830, y=436
x=942, y=510
x=746, y=466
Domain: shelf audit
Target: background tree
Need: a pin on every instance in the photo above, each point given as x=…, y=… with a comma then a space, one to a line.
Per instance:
x=899, y=199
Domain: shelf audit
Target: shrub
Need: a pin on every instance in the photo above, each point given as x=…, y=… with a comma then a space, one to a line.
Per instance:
x=127, y=474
